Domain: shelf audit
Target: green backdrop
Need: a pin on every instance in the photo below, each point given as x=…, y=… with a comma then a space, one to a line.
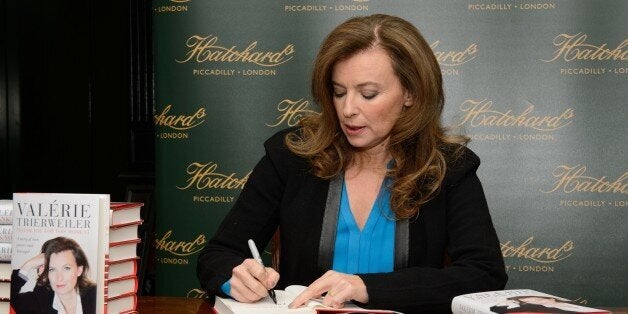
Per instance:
x=539, y=86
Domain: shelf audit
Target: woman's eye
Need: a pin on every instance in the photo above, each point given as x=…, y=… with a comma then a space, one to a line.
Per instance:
x=66, y=268
x=339, y=94
x=369, y=96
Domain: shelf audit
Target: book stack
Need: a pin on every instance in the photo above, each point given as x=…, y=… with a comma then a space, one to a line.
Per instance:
x=6, y=233
x=94, y=240
x=122, y=280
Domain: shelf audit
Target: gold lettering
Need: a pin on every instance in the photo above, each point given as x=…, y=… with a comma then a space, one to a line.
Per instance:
x=541, y=255
x=480, y=113
x=196, y=293
x=454, y=58
x=572, y=179
x=292, y=111
x=205, y=49
x=204, y=176
x=180, y=122
x=573, y=47
x=180, y=248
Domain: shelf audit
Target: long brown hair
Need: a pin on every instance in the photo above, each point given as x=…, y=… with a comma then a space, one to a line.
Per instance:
x=418, y=142
x=61, y=244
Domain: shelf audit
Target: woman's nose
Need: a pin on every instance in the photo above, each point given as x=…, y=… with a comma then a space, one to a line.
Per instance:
x=349, y=107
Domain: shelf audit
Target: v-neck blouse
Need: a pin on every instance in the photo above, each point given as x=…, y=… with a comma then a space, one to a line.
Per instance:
x=370, y=250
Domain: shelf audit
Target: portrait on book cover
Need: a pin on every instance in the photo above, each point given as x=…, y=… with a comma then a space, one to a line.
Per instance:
x=537, y=304
x=56, y=279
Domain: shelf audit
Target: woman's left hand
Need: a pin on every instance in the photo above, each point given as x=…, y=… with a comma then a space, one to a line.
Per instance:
x=339, y=287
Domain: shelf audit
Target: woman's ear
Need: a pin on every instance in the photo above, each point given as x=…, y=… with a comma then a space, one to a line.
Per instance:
x=80, y=271
x=408, y=99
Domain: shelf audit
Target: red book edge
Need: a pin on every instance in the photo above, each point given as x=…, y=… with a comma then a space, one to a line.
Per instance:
x=125, y=260
x=124, y=205
x=116, y=226
x=136, y=240
x=133, y=294
x=134, y=277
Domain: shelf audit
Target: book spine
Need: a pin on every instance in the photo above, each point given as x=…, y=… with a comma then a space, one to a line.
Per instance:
x=5, y=217
x=5, y=252
x=6, y=233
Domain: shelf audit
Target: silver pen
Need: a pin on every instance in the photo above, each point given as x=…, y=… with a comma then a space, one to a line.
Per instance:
x=258, y=258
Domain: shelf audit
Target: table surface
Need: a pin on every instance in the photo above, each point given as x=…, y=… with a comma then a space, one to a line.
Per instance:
x=163, y=305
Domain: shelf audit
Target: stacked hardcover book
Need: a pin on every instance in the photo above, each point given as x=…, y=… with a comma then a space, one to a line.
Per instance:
x=6, y=233
x=68, y=243
x=122, y=279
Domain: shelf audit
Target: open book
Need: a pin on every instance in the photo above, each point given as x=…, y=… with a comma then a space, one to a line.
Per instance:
x=284, y=298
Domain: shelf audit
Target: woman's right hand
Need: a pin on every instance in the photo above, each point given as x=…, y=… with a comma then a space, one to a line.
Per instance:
x=250, y=281
x=38, y=261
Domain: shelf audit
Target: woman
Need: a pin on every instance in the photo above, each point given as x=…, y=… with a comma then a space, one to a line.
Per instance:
x=62, y=286
x=375, y=203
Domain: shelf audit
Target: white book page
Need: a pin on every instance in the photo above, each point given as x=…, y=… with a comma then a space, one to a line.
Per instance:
x=284, y=298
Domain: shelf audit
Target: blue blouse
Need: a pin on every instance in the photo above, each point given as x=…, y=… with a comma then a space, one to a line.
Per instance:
x=370, y=250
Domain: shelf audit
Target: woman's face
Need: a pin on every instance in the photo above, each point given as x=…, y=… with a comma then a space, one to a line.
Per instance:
x=368, y=98
x=63, y=272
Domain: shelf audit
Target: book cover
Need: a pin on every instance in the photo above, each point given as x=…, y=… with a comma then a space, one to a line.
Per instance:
x=60, y=244
x=284, y=298
x=515, y=301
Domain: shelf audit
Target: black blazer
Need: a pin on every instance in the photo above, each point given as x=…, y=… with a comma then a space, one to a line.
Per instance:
x=281, y=192
x=40, y=299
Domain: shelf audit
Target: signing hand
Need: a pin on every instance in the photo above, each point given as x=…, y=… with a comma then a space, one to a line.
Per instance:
x=251, y=281
x=339, y=287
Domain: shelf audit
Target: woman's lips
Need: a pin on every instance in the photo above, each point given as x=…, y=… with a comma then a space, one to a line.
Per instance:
x=353, y=130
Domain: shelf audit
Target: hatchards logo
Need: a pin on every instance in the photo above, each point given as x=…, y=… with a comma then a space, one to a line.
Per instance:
x=527, y=256
x=291, y=111
x=450, y=60
x=578, y=48
x=206, y=177
x=177, y=250
x=208, y=50
x=175, y=6
x=179, y=124
x=598, y=190
x=196, y=293
x=343, y=6
x=482, y=114
x=511, y=6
